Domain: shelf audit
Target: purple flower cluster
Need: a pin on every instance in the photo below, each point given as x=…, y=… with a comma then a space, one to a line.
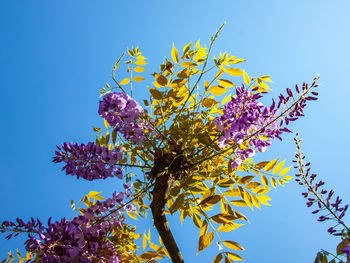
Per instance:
x=123, y=112
x=246, y=119
x=89, y=161
x=84, y=239
x=316, y=195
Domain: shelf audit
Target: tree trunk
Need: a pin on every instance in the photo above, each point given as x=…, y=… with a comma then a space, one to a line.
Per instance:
x=160, y=193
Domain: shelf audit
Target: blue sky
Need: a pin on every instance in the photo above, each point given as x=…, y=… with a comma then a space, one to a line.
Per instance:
x=56, y=55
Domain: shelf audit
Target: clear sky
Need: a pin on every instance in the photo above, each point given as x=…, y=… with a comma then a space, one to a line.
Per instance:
x=56, y=55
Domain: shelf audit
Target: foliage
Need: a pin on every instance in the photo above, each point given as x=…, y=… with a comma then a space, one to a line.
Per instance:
x=194, y=140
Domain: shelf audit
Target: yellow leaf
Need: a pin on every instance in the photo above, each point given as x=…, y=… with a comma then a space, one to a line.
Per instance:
x=208, y=102
x=161, y=80
x=188, y=64
x=140, y=57
x=132, y=215
x=197, y=220
x=264, y=180
x=156, y=94
x=204, y=228
x=234, y=256
x=144, y=242
x=234, y=71
x=205, y=241
x=240, y=203
x=229, y=227
x=210, y=201
x=206, y=85
x=218, y=258
x=218, y=75
x=125, y=81
x=246, y=78
x=264, y=199
x=95, y=195
x=141, y=62
x=217, y=90
x=187, y=47
x=287, y=177
x=138, y=79
x=233, y=245
x=284, y=171
x=174, y=54
x=278, y=167
x=270, y=165
x=248, y=199
x=273, y=182
x=106, y=123
x=232, y=193
x=226, y=83
x=139, y=69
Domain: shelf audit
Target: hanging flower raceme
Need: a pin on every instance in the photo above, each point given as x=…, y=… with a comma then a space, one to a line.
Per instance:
x=83, y=239
x=245, y=119
x=122, y=113
x=320, y=197
x=89, y=161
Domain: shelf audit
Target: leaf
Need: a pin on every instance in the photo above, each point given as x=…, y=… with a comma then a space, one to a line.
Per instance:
x=208, y=102
x=218, y=258
x=187, y=48
x=161, y=80
x=246, y=78
x=125, y=81
x=278, y=167
x=211, y=200
x=156, y=94
x=264, y=180
x=95, y=195
x=261, y=165
x=229, y=227
x=174, y=54
x=232, y=193
x=342, y=245
x=270, y=165
x=284, y=171
x=217, y=90
x=144, y=242
x=205, y=241
x=246, y=179
x=226, y=83
x=106, y=123
x=141, y=62
x=263, y=199
x=138, y=79
x=96, y=129
x=273, y=182
x=233, y=245
x=204, y=228
x=222, y=218
x=197, y=219
x=188, y=64
x=234, y=256
x=252, y=185
x=177, y=204
x=234, y=71
x=240, y=203
x=139, y=69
